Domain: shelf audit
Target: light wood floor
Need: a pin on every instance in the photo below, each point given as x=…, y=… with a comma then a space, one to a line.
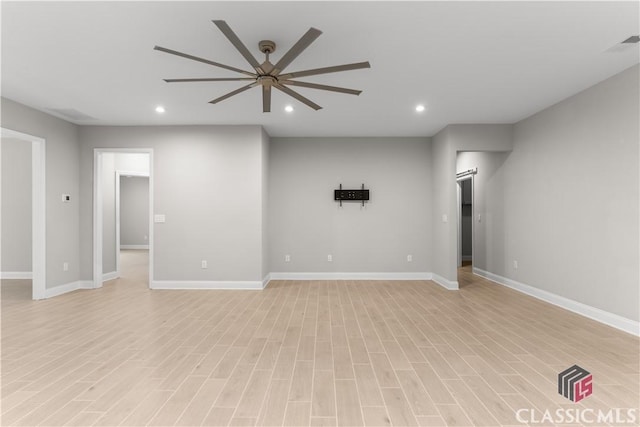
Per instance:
x=299, y=353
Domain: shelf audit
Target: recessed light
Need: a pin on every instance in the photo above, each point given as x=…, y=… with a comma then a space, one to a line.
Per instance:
x=420, y=108
x=288, y=109
x=160, y=109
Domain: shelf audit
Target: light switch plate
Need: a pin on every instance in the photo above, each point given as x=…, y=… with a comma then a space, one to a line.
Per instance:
x=159, y=218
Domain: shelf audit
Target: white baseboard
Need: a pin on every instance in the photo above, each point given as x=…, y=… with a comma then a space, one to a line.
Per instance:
x=110, y=276
x=613, y=320
x=17, y=275
x=266, y=280
x=69, y=287
x=206, y=284
x=134, y=247
x=350, y=276
x=452, y=285
x=257, y=285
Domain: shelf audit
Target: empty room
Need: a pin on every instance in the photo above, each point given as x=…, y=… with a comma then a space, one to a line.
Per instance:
x=300, y=213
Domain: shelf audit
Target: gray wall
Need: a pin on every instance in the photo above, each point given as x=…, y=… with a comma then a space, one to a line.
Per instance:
x=62, y=177
x=108, y=213
x=571, y=198
x=16, y=205
x=264, y=181
x=134, y=210
x=307, y=224
x=444, y=230
x=207, y=181
x=446, y=144
x=564, y=203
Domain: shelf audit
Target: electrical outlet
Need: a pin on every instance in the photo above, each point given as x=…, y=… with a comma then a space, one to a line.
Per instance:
x=330, y=258
x=65, y=266
x=409, y=258
x=287, y=258
x=515, y=264
x=203, y=263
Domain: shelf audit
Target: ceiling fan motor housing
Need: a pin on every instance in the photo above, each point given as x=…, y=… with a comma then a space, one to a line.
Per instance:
x=267, y=46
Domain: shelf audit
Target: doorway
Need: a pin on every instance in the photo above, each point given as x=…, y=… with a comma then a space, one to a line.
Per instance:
x=466, y=236
x=465, y=196
x=132, y=219
x=110, y=166
x=36, y=215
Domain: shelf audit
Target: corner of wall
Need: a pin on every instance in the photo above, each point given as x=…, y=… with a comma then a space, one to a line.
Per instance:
x=265, y=146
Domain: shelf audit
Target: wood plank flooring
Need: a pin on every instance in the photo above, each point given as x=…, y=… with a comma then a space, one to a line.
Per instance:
x=308, y=353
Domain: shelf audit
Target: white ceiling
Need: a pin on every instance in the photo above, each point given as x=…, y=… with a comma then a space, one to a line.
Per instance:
x=468, y=62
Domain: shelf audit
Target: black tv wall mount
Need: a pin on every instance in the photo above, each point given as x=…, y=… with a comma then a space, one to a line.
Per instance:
x=359, y=195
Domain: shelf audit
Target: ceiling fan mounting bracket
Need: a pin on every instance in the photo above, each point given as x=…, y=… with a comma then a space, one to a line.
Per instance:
x=267, y=46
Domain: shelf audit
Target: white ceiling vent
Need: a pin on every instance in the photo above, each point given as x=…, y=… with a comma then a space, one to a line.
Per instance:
x=71, y=114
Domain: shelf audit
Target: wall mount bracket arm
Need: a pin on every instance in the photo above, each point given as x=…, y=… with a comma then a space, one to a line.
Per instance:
x=356, y=195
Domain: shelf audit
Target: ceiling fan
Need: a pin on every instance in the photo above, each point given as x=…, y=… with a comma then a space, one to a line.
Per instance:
x=266, y=74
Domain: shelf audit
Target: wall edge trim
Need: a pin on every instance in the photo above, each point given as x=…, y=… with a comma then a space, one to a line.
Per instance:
x=266, y=280
x=135, y=247
x=110, y=276
x=351, y=276
x=68, y=287
x=610, y=319
x=16, y=275
x=451, y=285
x=206, y=284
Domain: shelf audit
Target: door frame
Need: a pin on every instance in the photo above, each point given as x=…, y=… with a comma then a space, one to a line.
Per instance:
x=119, y=174
x=98, y=206
x=38, y=210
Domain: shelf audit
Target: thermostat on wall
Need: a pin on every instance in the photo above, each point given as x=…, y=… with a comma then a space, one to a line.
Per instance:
x=66, y=198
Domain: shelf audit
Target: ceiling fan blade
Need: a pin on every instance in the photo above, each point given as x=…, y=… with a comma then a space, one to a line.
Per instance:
x=266, y=98
x=235, y=41
x=230, y=79
x=321, y=87
x=297, y=96
x=296, y=50
x=326, y=70
x=230, y=94
x=205, y=61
